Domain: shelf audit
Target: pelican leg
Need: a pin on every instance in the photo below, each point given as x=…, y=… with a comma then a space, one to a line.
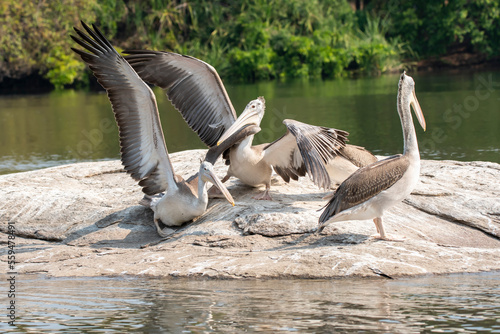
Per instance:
x=157, y=224
x=380, y=228
x=265, y=195
x=165, y=232
x=381, y=233
x=214, y=192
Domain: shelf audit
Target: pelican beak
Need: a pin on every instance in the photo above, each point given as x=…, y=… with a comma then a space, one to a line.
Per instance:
x=250, y=116
x=217, y=182
x=418, y=111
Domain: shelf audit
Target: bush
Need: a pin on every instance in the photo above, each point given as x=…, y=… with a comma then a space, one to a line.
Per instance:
x=435, y=28
x=34, y=37
x=244, y=40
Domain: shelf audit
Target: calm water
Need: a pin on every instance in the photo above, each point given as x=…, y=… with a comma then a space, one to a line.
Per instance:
x=462, y=113
x=457, y=303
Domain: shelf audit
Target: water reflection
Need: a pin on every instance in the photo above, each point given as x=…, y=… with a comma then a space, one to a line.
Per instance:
x=461, y=111
x=457, y=303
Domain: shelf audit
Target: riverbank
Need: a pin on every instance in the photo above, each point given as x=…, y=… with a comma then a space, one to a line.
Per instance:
x=463, y=62
x=83, y=220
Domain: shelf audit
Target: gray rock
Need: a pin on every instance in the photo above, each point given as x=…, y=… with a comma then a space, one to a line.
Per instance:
x=84, y=220
x=275, y=224
x=463, y=192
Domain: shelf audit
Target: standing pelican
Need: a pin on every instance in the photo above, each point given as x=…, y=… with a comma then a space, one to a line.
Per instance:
x=197, y=92
x=371, y=190
x=143, y=150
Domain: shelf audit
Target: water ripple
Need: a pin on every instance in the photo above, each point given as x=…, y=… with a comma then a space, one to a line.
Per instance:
x=444, y=304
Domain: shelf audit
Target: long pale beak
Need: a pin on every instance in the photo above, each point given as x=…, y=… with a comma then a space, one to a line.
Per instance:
x=248, y=116
x=215, y=180
x=418, y=110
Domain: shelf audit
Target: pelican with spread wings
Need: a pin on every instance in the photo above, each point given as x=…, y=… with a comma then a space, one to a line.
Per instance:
x=197, y=92
x=143, y=150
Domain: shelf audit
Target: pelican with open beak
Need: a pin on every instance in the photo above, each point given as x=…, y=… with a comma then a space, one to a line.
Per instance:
x=304, y=148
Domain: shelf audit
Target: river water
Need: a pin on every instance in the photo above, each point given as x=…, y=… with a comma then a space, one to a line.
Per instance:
x=461, y=110
x=434, y=304
x=463, y=121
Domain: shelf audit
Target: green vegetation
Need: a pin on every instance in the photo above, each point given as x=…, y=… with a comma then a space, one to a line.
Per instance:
x=34, y=38
x=248, y=40
x=435, y=28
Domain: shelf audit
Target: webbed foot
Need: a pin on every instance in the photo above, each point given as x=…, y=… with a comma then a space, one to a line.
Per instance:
x=264, y=196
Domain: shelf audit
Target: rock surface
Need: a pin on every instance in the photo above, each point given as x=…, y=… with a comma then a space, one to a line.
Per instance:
x=84, y=220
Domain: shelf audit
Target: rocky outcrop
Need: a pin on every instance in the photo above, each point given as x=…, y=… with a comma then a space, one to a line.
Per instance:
x=84, y=220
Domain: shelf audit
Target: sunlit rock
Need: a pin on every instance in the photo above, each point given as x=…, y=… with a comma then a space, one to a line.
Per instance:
x=84, y=220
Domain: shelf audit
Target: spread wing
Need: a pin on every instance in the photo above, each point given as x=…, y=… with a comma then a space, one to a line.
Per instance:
x=305, y=148
x=143, y=149
x=194, y=88
x=366, y=183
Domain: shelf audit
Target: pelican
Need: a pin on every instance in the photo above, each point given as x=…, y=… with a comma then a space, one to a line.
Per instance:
x=143, y=150
x=197, y=92
x=371, y=190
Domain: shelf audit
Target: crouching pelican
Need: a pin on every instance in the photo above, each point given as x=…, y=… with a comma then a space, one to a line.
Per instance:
x=197, y=92
x=143, y=150
x=369, y=191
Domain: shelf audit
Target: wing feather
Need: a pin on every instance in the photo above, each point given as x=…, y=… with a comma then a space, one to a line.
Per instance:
x=365, y=183
x=305, y=148
x=194, y=88
x=143, y=150
x=357, y=155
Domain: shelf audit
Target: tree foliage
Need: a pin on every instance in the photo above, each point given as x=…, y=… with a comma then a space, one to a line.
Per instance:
x=437, y=27
x=248, y=39
x=34, y=38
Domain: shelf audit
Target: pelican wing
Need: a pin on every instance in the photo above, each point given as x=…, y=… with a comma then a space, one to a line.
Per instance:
x=223, y=148
x=214, y=152
x=366, y=183
x=357, y=155
x=305, y=148
x=143, y=150
x=194, y=88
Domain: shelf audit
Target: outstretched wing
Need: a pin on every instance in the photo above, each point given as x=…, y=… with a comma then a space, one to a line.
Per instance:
x=365, y=183
x=194, y=88
x=305, y=148
x=143, y=150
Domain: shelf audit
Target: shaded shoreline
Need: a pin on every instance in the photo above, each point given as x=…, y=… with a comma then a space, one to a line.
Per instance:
x=453, y=63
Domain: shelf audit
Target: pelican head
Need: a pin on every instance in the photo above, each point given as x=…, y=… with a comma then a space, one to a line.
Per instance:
x=207, y=174
x=252, y=115
x=407, y=91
